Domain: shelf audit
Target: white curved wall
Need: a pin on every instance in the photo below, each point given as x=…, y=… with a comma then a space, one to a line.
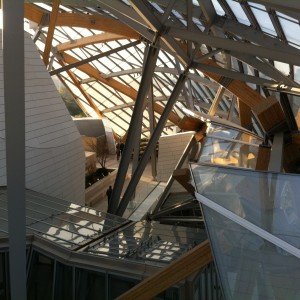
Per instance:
x=55, y=159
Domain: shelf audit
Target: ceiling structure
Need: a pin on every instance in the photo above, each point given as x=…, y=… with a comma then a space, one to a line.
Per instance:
x=225, y=57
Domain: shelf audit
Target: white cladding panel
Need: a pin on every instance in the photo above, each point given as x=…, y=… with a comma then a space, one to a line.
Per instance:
x=171, y=148
x=55, y=161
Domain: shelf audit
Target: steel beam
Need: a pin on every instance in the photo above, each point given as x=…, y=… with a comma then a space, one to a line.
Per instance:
x=265, y=68
x=253, y=35
x=233, y=74
x=152, y=143
x=14, y=100
x=237, y=46
x=135, y=122
x=95, y=57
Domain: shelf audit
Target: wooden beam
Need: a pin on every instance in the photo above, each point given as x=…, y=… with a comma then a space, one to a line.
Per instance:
x=216, y=101
x=263, y=158
x=184, y=266
x=51, y=28
x=270, y=115
x=89, y=40
x=83, y=92
x=97, y=22
x=190, y=123
x=183, y=176
x=245, y=114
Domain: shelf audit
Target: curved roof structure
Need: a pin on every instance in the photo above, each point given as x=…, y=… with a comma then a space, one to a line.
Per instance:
x=217, y=57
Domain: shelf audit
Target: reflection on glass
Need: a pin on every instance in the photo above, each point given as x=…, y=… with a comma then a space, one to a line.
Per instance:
x=224, y=152
x=251, y=267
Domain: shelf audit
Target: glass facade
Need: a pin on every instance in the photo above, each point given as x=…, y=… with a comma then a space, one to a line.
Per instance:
x=229, y=146
x=253, y=223
x=76, y=252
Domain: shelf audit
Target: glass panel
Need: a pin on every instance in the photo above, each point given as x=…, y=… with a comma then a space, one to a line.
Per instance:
x=290, y=30
x=264, y=21
x=170, y=294
x=218, y=8
x=119, y=285
x=90, y=285
x=3, y=277
x=40, y=282
x=251, y=267
x=63, y=282
x=228, y=153
x=223, y=131
x=238, y=12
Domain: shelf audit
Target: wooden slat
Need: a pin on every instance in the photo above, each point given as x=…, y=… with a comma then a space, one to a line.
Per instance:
x=51, y=28
x=184, y=266
x=270, y=114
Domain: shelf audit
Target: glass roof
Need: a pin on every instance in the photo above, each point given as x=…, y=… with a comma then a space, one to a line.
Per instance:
x=77, y=227
x=115, y=36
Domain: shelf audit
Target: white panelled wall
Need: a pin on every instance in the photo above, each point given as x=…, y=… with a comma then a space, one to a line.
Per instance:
x=55, y=161
x=171, y=148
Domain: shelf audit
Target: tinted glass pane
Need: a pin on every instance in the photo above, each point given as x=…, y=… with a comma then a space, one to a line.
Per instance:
x=3, y=277
x=40, y=281
x=119, y=285
x=63, y=282
x=90, y=285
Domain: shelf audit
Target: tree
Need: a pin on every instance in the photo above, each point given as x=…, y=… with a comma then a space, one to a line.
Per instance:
x=99, y=146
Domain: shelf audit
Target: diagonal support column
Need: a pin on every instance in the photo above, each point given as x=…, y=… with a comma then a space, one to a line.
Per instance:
x=152, y=143
x=135, y=122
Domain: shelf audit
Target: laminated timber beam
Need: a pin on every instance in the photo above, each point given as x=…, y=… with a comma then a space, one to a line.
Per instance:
x=90, y=40
x=95, y=22
x=51, y=28
x=83, y=92
x=245, y=114
x=263, y=158
x=183, y=176
x=184, y=266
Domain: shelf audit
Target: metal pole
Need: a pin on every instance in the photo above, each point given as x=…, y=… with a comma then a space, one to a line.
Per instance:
x=135, y=122
x=152, y=126
x=152, y=143
x=14, y=99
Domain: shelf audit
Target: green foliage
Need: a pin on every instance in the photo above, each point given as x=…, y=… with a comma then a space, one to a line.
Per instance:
x=72, y=106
